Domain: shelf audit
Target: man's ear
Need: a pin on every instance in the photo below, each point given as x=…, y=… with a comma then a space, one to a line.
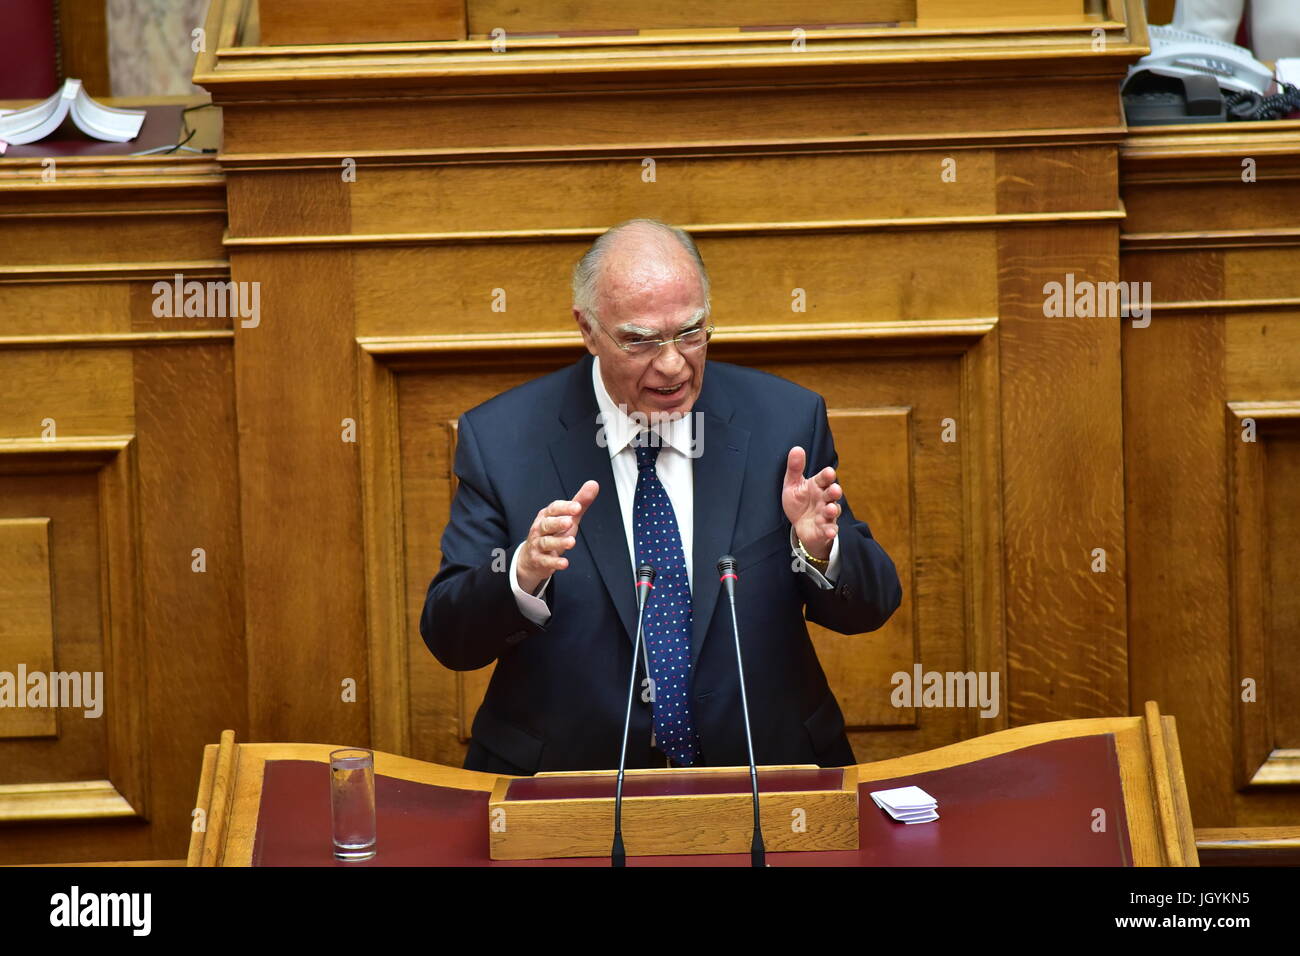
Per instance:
x=588, y=337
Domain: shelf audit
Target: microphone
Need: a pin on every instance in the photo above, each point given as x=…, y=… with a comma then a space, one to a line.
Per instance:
x=727, y=575
x=645, y=576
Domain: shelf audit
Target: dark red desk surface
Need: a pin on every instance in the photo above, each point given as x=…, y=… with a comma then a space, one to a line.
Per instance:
x=1029, y=807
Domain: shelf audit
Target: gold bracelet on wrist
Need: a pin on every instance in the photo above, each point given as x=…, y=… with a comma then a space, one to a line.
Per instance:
x=821, y=564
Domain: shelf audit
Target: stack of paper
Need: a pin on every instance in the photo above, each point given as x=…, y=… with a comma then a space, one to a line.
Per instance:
x=907, y=804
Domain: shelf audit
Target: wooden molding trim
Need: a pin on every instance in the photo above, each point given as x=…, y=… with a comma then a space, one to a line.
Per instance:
x=385, y=570
x=1002, y=220
x=1178, y=790
x=75, y=800
x=218, y=206
x=1259, y=764
x=427, y=349
x=20, y=177
x=1201, y=306
x=115, y=271
x=1249, y=846
x=1016, y=139
x=1161, y=758
x=1209, y=239
x=216, y=791
x=1209, y=153
x=113, y=340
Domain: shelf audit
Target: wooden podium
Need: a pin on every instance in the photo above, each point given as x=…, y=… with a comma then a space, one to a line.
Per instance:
x=1105, y=791
x=668, y=812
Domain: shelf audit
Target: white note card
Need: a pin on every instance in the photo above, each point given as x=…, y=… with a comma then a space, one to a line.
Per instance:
x=907, y=804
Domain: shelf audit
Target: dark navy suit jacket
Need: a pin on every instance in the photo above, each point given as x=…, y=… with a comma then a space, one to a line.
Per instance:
x=558, y=696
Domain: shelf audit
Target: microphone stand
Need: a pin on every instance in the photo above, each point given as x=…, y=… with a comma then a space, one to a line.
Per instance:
x=727, y=575
x=645, y=576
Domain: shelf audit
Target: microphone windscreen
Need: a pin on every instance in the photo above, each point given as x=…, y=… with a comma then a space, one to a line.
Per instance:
x=726, y=565
x=645, y=574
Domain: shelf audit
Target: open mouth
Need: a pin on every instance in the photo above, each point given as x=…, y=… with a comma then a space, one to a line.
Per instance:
x=671, y=391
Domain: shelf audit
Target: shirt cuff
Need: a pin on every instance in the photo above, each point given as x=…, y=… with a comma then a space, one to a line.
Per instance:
x=530, y=606
x=824, y=581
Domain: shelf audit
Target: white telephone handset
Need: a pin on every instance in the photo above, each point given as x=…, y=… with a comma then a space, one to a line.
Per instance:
x=1180, y=53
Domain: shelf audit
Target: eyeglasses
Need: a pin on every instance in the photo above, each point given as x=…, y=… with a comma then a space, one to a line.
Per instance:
x=688, y=341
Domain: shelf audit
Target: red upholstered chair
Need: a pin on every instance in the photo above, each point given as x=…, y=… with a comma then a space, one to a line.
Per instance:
x=29, y=65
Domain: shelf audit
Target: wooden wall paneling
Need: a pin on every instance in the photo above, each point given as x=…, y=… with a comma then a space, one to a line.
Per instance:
x=1212, y=228
x=593, y=15
x=142, y=455
x=436, y=379
x=27, y=626
x=906, y=484
x=360, y=21
x=1262, y=351
x=1062, y=477
x=52, y=239
x=442, y=702
x=950, y=591
x=752, y=270
x=1178, y=610
x=80, y=391
x=433, y=197
x=301, y=499
x=1034, y=11
x=1060, y=178
x=982, y=484
x=124, y=649
x=189, y=500
x=1282, y=484
x=117, y=747
x=386, y=617
x=875, y=449
x=474, y=167
x=689, y=118
x=471, y=686
x=95, y=768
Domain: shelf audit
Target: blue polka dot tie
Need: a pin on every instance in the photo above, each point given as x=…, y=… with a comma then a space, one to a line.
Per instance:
x=667, y=623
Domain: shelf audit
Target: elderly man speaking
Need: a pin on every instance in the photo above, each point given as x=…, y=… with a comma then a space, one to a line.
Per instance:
x=643, y=451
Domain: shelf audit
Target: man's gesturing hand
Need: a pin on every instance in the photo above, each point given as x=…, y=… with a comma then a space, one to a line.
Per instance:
x=554, y=531
x=811, y=504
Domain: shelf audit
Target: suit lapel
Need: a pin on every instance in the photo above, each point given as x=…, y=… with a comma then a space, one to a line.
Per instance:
x=719, y=478
x=578, y=458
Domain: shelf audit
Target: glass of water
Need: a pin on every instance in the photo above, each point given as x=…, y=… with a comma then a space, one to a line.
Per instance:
x=352, y=803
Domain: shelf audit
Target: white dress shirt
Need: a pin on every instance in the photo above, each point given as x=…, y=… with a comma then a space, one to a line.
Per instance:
x=675, y=468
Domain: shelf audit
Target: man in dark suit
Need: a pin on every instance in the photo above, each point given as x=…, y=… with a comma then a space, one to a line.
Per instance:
x=643, y=451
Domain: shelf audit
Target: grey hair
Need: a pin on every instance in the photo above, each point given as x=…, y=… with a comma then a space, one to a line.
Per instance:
x=586, y=272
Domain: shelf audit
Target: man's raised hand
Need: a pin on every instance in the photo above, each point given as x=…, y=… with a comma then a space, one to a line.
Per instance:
x=811, y=504
x=554, y=531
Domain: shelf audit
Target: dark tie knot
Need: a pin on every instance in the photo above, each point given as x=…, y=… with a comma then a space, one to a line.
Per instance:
x=647, y=450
